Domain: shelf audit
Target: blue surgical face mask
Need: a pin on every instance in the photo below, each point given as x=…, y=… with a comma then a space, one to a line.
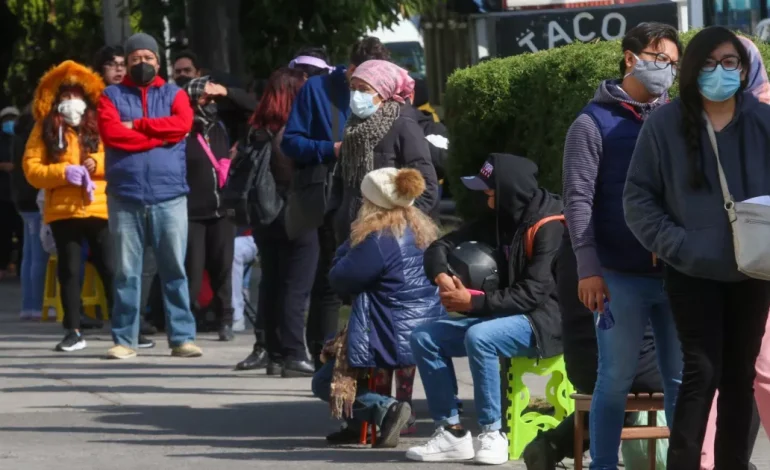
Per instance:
x=719, y=84
x=8, y=127
x=362, y=104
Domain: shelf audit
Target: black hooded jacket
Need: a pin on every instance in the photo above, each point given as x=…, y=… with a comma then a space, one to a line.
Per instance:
x=24, y=195
x=530, y=285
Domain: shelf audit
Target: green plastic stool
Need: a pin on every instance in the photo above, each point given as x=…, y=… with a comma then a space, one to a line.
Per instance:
x=524, y=426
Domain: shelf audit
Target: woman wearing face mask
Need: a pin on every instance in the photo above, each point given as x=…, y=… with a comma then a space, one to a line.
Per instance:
x=211, y=235
x=376, y=136
x=674, y=205
x=613, y=267
x=64, y=156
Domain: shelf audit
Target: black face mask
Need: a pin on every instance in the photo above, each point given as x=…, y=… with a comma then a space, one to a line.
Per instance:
x=142, y=73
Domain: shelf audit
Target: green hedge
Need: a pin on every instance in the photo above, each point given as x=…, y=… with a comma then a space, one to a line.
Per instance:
x=524, y=105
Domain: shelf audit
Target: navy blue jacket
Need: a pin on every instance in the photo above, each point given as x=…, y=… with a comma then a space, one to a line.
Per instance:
x=308, y=136
x=618, y=249
x=392, y=298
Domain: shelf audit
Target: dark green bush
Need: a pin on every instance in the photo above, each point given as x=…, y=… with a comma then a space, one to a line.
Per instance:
x=524, y=105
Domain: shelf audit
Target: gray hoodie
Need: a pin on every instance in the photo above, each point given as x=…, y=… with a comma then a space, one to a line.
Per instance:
x=582, y=157
x=688, y=229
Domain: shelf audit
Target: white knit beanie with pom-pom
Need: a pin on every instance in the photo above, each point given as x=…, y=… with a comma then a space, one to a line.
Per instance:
x=390, y=187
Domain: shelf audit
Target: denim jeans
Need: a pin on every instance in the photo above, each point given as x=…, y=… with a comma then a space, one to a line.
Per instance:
x=635, y=302
x=34, y=261
x=165, y=225
x=483, y=341
x=245, y=252
x=369, y=406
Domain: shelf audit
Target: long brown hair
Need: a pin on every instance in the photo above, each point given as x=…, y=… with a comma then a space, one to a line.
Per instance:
x=88, y=130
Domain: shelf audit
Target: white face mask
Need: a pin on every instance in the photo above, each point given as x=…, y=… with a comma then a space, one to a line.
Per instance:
x=72, y=111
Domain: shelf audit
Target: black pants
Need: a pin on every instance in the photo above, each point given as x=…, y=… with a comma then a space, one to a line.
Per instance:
x=323, y=318
x=11, y=223
x=720, y=326
x=210, y=246
x=287, y=278
x=69, y=235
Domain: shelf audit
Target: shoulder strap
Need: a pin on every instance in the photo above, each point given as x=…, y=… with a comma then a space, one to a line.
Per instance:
x=208, y=151
x=529, y=242
x=728, y=198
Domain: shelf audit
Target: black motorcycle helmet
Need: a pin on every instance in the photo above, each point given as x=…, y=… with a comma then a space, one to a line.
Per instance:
x=476, y=265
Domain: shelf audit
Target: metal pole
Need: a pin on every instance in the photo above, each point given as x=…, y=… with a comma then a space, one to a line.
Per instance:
x=117, y=27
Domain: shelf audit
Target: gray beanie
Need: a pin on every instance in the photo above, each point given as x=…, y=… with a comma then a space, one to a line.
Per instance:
x=140, y=41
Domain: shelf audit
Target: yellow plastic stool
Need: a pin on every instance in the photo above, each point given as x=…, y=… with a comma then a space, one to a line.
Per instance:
x=92, y=293
x=524, y=426
x=51, y=297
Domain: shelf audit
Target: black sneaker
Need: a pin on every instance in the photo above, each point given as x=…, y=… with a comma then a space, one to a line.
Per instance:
x=147, y=329
x=396, y=418
x=345, y=436
x=540, y=455
x=226, y=333
x=72, y=342
x=145, y=343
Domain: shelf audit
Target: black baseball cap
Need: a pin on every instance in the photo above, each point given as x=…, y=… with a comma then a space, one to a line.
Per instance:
x=484, y=180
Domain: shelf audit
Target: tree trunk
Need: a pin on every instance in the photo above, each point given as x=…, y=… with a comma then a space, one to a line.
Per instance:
x=214, y=35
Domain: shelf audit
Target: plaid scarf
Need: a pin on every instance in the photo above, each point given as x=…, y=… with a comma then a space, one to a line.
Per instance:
x=205, y=116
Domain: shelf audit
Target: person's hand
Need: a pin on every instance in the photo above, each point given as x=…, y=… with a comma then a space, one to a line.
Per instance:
x=128, y=124
x=337, y=147
x=74, y=174
x=592, y=292
x=90, y=165
x=214, y=89
x=458, y=299
x=444, y=282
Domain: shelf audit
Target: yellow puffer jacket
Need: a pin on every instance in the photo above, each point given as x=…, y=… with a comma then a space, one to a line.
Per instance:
x=62, y=199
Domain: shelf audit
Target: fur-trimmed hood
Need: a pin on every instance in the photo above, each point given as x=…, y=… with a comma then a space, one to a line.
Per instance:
x=67, y=73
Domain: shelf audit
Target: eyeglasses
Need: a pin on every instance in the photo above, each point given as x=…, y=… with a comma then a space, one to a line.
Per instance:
x=115, y=65
x=728, y=63
x=662, y=61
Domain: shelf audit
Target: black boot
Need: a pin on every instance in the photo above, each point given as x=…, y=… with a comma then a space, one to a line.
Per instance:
x=297, y=368
x=256, y=360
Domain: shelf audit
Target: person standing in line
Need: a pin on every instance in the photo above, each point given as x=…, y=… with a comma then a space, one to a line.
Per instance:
x=144, y=122
x=211, y=234
x=675, y=207
x=321, y=109
x=12, y=223
x=110, y=63
x=34, y=260
x=64, y=156
x=244, y=254
x=613, y=267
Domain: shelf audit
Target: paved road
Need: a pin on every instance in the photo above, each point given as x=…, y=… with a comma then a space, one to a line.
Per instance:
x=80, y=411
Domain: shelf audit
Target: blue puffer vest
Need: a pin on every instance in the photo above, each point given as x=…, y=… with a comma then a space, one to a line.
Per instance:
x=388, y=310
x=156, y=175
x=617, y=247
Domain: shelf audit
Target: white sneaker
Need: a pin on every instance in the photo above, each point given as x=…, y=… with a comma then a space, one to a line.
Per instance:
x=443, y=446
x=491, y=448
x=239, y=325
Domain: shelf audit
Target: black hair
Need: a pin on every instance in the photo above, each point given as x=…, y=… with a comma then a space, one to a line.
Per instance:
x=190, y=55
x=106, y=54
x=421, y=94
x=311, y=70
x=368, y=48
x=698, y=50
x=644, y=35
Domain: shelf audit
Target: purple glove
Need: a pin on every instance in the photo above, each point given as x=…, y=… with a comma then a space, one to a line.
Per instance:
x=74, y=174
x=89, y=186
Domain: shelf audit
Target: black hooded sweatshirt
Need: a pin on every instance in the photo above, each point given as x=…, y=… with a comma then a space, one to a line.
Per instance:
x=530, y=288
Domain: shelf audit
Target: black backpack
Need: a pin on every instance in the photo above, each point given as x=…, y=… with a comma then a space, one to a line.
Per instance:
x=250, y=196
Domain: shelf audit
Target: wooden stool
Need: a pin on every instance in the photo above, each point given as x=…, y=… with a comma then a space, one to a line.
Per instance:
x=92, y=294
x=365, y=424
x=651, y=403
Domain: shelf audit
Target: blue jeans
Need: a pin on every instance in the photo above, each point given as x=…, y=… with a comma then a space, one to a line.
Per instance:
x=34, y=261
x=368, y=407
x=165, y=225
x=483, y=340
x=635, y=302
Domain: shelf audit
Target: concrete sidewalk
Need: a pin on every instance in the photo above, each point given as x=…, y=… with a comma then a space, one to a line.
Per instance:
x=78, y=411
